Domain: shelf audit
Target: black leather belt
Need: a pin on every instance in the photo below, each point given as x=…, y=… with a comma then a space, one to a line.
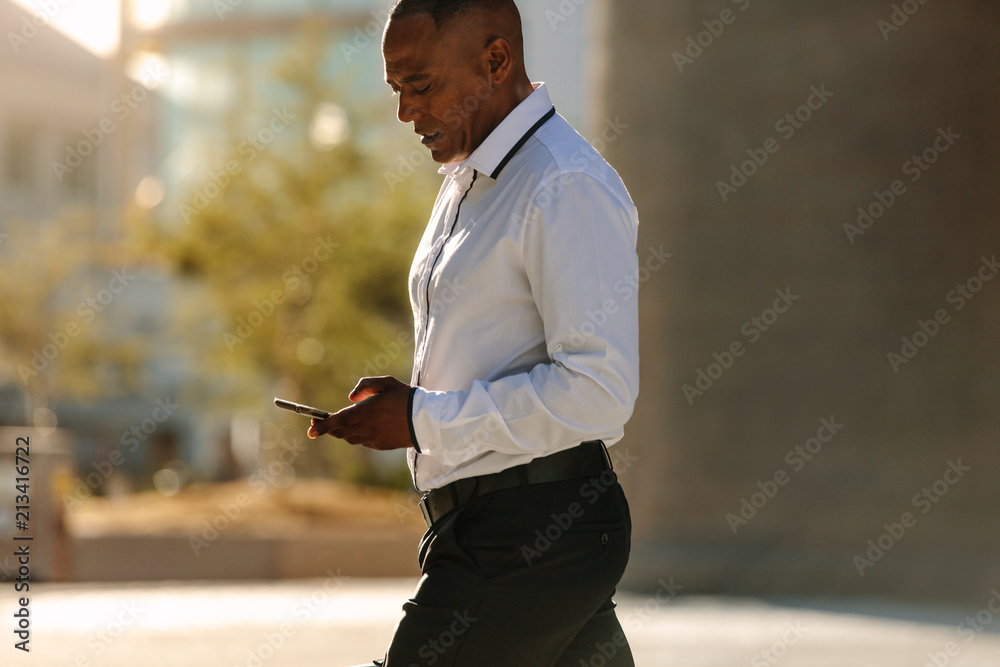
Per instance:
x=587, y=459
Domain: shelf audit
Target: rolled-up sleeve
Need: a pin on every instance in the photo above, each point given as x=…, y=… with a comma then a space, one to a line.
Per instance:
x=578, y=243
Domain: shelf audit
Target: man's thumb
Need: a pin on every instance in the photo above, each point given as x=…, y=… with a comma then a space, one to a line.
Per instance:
x=368, y=387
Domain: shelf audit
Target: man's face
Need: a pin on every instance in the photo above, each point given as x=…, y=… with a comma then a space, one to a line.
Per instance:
x=440, y=79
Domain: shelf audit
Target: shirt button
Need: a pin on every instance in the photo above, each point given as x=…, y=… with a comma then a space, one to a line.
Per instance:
x=604, y=538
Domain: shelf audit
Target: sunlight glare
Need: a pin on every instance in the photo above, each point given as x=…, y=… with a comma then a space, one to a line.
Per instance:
x=94, y=24
x=149, y=14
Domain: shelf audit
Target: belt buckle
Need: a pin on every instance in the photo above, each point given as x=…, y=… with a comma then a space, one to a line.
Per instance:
x=425, y=510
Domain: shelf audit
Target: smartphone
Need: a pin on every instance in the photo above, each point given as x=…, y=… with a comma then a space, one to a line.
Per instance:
x=302, y=409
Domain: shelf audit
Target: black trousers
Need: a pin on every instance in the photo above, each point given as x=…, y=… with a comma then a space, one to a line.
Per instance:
x=522, y=577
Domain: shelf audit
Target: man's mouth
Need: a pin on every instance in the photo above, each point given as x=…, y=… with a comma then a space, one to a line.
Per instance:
x=428, y=139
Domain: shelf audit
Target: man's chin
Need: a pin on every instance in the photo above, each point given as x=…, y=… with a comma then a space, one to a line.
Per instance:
x=443, y=153
x=442, y=156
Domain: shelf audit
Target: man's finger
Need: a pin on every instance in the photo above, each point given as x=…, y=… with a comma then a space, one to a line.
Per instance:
x=331, y=423
x=317, y=428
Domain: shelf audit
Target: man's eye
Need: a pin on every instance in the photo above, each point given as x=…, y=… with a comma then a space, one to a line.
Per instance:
x=422, y=91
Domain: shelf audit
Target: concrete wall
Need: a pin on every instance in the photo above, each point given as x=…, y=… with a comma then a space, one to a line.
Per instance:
x=854, y=295
x=51, y=90
x=171, y=557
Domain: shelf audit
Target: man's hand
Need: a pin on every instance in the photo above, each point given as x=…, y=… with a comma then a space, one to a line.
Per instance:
x=377, y=421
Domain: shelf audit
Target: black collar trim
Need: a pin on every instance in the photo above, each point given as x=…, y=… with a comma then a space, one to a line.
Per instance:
x=521, y=142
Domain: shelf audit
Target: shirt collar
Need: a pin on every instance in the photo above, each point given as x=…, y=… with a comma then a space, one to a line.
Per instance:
x=504, y=141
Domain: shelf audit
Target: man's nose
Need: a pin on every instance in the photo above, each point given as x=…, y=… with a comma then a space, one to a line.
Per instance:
x=407, y=111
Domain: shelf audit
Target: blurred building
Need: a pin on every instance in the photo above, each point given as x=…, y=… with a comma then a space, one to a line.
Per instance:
x=75, y=132
x=53, y=90
x=221, y=60
x=821, y=375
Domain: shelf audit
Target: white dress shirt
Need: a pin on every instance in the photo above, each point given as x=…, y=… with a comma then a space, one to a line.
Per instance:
x=524, y=304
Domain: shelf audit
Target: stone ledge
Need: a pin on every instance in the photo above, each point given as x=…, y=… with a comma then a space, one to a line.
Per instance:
x=169, y=557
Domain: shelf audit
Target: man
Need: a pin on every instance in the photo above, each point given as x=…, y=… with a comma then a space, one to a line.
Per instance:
x=526, y=358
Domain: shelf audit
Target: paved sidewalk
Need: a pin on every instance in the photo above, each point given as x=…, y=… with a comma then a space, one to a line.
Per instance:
x=335, y=623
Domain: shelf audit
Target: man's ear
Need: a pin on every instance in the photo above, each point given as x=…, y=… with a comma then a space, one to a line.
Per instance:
x=498, y=60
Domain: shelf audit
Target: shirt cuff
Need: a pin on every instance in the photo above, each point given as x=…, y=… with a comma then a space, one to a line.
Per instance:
x=426, y=415
x=409, y=420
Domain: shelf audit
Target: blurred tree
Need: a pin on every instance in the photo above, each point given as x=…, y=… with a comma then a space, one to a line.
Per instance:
x=54, y=277
x=303, y=249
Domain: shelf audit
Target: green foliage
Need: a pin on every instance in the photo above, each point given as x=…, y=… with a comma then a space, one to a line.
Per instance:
x=302, y=258
x=52, y=323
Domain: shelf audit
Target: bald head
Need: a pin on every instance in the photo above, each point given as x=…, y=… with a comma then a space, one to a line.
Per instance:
x=458, y=68
x=444, y=11
x=478, y=21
